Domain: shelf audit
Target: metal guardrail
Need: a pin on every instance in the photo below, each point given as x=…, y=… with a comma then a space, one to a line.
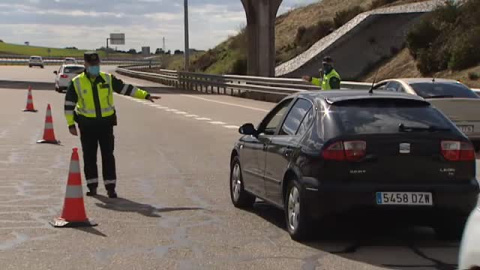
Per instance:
x=231, y=84
x=18, y=60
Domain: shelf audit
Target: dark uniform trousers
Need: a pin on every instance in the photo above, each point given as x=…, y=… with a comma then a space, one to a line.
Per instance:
x=91, y=136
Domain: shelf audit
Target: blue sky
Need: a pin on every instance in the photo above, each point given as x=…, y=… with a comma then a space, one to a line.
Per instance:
x=87, y=23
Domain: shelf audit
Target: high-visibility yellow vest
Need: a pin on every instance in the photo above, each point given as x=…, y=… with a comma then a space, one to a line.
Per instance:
x=86, y=100
x=325, y=82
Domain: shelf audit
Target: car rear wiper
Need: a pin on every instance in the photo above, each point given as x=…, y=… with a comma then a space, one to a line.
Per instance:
x=403, y=128
x=440, y=96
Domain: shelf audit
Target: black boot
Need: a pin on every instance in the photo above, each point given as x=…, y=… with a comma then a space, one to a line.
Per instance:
x=112, y=194
x=92, y=192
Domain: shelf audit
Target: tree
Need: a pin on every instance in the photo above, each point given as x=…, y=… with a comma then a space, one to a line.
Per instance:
x=132, y=51
x=159, y=51
x=178, y=52
x=168, y=52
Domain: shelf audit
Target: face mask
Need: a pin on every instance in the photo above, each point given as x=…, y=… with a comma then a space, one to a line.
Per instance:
x=93, y=70
x=327, y=68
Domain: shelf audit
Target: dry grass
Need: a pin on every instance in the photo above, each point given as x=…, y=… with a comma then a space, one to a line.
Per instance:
x=287, y=24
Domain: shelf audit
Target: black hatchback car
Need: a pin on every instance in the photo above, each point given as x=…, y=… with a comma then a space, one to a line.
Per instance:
x=318, y=154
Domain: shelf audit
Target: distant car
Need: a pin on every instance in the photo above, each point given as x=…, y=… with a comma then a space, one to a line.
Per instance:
x=324, y=153
x=454, y=99
x=470, y=246
x=65, y=74
x=35, y=61
x=70, y=60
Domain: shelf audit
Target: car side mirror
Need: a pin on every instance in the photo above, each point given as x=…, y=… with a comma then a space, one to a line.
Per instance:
x=55, y=72
x=247, y=129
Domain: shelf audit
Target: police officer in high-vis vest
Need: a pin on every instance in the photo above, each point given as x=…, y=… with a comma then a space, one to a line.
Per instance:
x=89, y=103
x=331, y=79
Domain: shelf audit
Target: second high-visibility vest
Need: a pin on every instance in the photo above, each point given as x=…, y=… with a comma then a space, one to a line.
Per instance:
x=324, y=83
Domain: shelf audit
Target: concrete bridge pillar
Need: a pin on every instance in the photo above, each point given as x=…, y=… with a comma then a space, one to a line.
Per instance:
x=261, y=16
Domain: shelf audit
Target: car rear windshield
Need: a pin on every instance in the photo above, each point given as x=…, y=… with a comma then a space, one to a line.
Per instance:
x=385, y=117
x=73, y=70
x=438, y=89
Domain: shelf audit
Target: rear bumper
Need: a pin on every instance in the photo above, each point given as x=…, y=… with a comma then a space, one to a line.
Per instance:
x=332, y=199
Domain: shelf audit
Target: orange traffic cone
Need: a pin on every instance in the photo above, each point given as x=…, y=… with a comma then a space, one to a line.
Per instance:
x=48, y=133
x=30, y=107
x=73, y=214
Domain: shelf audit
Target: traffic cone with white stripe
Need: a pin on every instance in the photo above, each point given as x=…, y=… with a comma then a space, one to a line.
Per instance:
x=73, y=214
x=30, y=107
x=48, y=133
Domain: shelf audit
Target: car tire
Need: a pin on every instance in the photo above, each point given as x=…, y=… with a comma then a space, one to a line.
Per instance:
x=30, y=66
x=297, y=220
x=41, y=66
x=451, y=229
x=58, y=90
x=476, y=145
x=239, y=196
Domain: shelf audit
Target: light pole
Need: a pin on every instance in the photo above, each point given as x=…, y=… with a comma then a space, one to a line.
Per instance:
x=187, y=47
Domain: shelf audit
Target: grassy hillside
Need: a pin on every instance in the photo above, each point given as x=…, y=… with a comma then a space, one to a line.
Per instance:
x=296, y=31
x=14, y=49
x=434, y=51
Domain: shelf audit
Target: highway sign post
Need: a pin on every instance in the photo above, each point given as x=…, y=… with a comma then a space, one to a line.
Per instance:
x=116, y=39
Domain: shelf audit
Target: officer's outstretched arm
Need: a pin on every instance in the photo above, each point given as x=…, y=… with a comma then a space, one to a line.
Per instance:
x=128, y=89
x=316, y=81
x=71, y=99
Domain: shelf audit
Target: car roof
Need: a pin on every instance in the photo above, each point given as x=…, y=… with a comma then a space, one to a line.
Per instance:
x=424, y=80
x=73, y=65
x=335, y=96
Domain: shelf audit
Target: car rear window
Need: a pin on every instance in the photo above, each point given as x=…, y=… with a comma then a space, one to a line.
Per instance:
x=384, y=117
x=73, y=70
x=439, y=89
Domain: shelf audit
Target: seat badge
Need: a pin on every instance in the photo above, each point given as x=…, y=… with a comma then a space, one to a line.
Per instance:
x=405, y=148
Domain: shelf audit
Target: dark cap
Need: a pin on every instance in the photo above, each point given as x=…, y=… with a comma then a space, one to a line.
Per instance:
x=91, y=58
x=328, y=60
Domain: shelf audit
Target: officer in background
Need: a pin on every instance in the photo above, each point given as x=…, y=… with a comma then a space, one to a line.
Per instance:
x=89, y=102
x=331, y=79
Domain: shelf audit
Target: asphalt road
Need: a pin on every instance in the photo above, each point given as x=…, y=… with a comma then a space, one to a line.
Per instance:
x=174, y=210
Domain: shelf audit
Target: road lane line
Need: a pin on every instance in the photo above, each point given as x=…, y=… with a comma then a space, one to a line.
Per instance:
x=232, y=127
x=191, y=115
x=181, y=113
x=203, y=119
x=227, y=103
x=217, y=123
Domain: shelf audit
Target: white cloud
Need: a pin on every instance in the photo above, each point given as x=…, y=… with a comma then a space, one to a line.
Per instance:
x=87, y=23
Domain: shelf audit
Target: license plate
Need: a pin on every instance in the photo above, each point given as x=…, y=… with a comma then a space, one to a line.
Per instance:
x=404, y=198
x=466, y=129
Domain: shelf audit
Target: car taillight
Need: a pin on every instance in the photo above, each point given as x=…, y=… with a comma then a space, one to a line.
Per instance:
x=457, y=151
x=63, y=76
x=345, y=151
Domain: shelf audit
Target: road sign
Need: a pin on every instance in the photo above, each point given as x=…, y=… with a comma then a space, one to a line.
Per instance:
x=117, y=39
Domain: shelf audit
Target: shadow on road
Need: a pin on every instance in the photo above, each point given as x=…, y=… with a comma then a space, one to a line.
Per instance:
x=91, y=230
x=375, y=242
x=125, y=205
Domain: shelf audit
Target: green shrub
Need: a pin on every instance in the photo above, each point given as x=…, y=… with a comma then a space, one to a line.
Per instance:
x=306, y=37
x=239, y=66
x=447, y=38
x=473, y=76
x=344, y=16
x=465, y=52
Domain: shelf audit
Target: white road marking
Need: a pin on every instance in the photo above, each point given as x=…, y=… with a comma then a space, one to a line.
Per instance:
x=191, y=115
x=232, y=127
x=217, y=123
x=171, y=110
x=226, y=103
x=203, y=119
x=181, y=113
